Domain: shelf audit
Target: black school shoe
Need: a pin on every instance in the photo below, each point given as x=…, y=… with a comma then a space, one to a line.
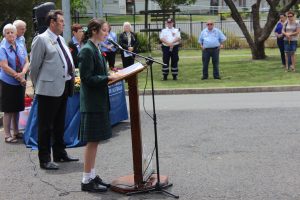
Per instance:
x=99, y=181
x=92, y=186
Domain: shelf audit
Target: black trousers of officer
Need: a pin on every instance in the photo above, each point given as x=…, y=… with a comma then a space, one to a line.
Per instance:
x=173, y=55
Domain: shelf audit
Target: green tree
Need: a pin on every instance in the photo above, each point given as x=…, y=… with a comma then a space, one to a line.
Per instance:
x=261, y=33
x=79, y=5
x=22, y=9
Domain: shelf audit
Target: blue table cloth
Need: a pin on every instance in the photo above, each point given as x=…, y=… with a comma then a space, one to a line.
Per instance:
x=118, y=113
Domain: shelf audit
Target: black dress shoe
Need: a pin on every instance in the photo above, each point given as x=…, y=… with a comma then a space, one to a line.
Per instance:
x=49, y=166
x=203, y=78
x=65, y=158
x=175, y=78
x=92, y=186
x=99, y=181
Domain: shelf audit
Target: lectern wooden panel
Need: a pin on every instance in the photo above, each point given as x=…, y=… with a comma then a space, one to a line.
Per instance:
x=131, y=183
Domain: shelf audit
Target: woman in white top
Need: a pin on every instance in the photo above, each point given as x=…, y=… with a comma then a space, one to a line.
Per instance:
x=290, y=30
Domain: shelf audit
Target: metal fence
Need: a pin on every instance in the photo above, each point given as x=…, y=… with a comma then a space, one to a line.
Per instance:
x=189, y=27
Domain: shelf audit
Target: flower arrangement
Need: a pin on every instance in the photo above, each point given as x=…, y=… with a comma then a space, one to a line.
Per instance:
x=77, y=81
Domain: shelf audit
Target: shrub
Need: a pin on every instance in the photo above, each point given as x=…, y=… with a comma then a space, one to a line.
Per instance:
x=232, y=42
x=188, y=42
x=143, y=42
x=271, y=42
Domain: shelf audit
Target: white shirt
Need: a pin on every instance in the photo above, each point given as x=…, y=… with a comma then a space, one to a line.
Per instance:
x=54, y=37
x=169, y=35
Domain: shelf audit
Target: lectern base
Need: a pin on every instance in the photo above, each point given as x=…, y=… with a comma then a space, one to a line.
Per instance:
x=126, y=185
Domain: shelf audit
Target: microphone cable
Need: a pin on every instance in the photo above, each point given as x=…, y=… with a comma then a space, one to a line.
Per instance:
x=62, y=192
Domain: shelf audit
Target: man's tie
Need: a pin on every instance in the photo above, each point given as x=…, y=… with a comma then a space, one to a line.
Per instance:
x=70, y=70
x=18, y=63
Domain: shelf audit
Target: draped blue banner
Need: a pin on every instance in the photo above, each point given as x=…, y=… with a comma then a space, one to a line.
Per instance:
x=118, y=112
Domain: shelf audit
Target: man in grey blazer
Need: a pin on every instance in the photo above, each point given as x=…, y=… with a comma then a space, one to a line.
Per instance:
x=52, y=74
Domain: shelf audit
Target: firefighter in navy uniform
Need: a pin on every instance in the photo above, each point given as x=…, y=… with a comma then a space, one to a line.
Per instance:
x=170, y=38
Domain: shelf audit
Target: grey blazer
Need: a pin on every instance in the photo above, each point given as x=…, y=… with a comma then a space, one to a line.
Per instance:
x=47, y=68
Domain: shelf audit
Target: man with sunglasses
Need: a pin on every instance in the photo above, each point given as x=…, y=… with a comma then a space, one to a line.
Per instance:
x=211, y=40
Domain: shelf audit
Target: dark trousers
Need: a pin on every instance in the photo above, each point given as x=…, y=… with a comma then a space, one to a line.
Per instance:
x=127, y=61
x=206, y=55
x=280, y=43
x=173, y=55
x=110, y=58
x=51, y=125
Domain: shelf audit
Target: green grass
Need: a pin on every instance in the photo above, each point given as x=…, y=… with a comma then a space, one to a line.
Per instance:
x=197, y=18
x=237, y=69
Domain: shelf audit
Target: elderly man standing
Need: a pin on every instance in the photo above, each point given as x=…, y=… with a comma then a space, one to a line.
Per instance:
x=52, y=74
x=170, y=38
x=211, y=40
x=21, y=29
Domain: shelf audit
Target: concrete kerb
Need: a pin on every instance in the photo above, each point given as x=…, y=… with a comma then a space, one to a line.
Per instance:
x=284, y=88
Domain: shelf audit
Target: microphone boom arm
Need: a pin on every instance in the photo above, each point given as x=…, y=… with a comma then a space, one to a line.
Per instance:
x=149, y=60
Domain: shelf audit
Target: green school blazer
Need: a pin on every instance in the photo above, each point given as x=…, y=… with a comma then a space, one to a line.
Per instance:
x=94, y=95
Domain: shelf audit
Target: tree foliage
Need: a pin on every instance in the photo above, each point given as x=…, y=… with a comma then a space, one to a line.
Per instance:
x=22, y=9
x=79, y=5
x=261, y=33
x=168, y=4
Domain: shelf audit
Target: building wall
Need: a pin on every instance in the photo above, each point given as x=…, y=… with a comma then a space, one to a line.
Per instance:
x=201, y=6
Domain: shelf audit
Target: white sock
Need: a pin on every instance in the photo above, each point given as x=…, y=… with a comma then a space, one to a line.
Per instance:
x=86, y=177
x=93, y=173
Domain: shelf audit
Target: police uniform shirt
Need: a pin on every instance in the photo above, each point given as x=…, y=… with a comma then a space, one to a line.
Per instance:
x=169, y=35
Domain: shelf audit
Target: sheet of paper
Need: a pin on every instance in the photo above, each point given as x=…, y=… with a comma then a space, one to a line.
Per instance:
x=126, y=54
x=132, y=68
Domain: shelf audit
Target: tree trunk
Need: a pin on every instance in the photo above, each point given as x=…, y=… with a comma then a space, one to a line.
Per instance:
x=261, y=34
x=258, y=51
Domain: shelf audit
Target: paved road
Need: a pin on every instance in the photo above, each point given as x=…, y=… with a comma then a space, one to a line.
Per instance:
x=212, y=147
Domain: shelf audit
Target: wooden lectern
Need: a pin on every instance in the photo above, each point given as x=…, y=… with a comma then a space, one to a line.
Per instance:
x=134, y=183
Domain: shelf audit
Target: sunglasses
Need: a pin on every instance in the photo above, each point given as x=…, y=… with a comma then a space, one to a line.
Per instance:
x=209, y=24
x=291, y=16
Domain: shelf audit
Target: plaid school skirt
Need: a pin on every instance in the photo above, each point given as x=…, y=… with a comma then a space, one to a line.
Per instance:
x=95, y=127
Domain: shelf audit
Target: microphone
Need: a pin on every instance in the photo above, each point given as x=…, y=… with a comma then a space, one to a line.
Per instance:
x=114, y=43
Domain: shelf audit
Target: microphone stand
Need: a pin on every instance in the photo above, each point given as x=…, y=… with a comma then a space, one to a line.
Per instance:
x=158, y=186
